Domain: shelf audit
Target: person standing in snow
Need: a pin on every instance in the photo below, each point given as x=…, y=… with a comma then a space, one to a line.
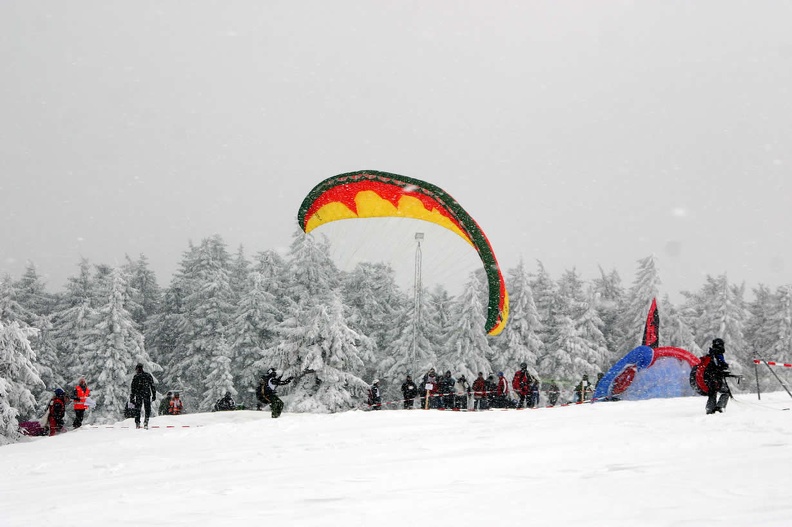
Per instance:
x=143, y=394
x=715, y=372
x=165, y=404
x=80, y=396
x=271, y=383
x=491, y=389
x=56, y=412
x=522, y=383
x=480, y=393
x=462, y=393
x=374, y=396
x=502, y=392
x=430, y=388
x=553, y=391
x=409, y=393
x=447, y=390
x=176, y=406
x=583, y=390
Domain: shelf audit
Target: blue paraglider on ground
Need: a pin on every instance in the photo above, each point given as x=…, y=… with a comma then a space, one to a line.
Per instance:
x=646, y=373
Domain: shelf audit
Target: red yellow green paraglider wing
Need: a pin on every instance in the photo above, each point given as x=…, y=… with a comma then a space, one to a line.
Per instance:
x=372, y=194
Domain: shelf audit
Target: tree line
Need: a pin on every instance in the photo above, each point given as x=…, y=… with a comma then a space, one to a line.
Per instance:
x=225, y=318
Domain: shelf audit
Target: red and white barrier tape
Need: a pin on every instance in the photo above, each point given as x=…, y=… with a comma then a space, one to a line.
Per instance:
x=151, y=426
x=773, y=363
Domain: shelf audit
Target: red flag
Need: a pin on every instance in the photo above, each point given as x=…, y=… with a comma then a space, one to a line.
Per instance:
x=651, y=335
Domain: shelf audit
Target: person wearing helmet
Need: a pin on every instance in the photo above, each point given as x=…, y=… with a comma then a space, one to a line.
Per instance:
x=56, y=412
x=176, y=406
x=715, y=372
x=270, y=384
x=522, y=383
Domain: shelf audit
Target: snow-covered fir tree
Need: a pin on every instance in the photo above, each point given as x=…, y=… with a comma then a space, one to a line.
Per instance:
x=18, y=375
x=110, y=350
x=520, y=340
x=251, y=332
x=780, y=327
x=208, y=308
x=639, y=299
x=144, y=292
x=674, y=330
x=467, y=350
x=720, y=312
x=545, y=293
x=317, y=346
x=372, y=298
x=609, y=297
x=219, y=379
x=412, y=346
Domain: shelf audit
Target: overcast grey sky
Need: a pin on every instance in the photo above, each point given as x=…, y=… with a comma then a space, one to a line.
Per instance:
x=578, y=133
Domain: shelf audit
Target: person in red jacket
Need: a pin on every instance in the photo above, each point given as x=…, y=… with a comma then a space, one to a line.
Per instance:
x=479, y=393
x=522, y=383
x=176, y=406
x=81, y=393
x=57, y=412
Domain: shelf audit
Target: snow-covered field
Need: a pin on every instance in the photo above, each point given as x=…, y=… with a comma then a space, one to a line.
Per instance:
x=641, y=463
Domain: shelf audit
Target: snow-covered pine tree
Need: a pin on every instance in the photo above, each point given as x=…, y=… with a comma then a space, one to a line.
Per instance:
x=412, y=345
x=609, y=301
x=467, y=350
x=73, y=318
x=780, y=327
x=674, y=328
x=545, y=293
x=32, y=295
x=590, y=351
x=252, y=331
x=372, y=297
x=18, y=374
x=238, y=274
x=144, y=292
x=208, y=308
x=720, y=312
x=110, y=350
x=317, y=346
x=639, y=298
x=520, y=340
x=219, y=379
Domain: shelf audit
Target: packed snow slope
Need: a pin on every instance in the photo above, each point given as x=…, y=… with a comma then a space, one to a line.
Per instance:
x=659, y=462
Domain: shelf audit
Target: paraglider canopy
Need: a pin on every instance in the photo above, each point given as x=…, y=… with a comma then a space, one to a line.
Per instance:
x=372, y=194
x=646, y=373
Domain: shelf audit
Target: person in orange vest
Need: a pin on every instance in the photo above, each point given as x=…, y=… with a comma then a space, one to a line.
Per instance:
x=81, y=393
x=56, y=412
x=176, y=405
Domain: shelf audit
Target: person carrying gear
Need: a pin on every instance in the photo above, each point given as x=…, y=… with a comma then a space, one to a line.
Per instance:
x=716, y=370
x=143, y=394
x=56, y=412
x=271, y=382
x=80, y=396
x=225, y=404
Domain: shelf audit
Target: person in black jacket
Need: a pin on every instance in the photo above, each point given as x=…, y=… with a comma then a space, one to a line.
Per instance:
x=225, y=404
x=715, y=373
x=143, y=394
x=409, y=393
x=447, y=390
x=374, y=396
x=271, y=382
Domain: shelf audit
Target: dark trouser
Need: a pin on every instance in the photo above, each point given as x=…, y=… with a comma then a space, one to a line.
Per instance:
x=534, y=399
x=525, y=400
x=55, y=426
x=479, y=403
x=276, y=405
x=553, y=398
x=715, y=404
x=78, y=418
x=409, y=404
x=448, y=400
x=146, y=405
x=461, y=402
